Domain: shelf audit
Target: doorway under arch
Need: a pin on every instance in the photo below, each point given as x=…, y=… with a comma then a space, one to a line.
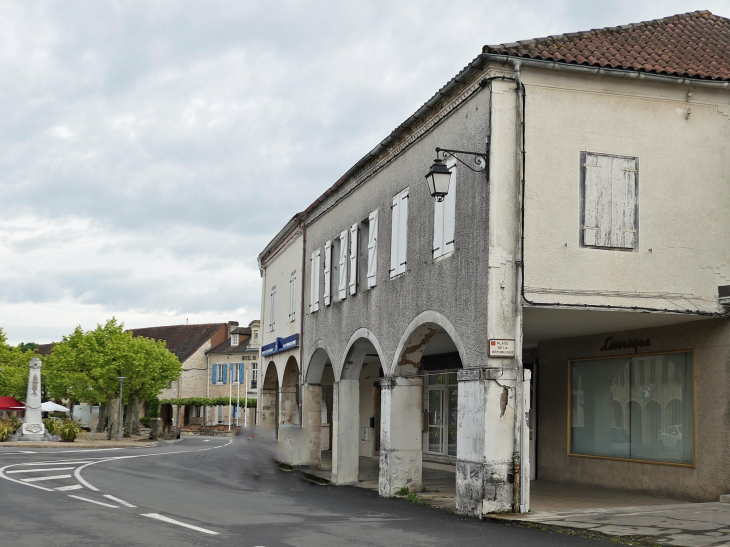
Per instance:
x=269, y=404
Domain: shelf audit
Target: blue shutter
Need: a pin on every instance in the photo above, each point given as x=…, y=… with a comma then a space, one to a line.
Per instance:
x=215, y=370
x=225, y=370
x=240, y=373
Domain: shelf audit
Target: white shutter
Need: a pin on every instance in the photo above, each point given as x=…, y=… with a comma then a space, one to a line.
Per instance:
x=342, y=286
x=272, y=322
x=395, y=209
x=402, y=232
x=372, y=249
x=315, y=278
x=623, y=202
x=327, y=269
x=438, y=228
x=292, y=297
x=449, y=213
x=353, y=259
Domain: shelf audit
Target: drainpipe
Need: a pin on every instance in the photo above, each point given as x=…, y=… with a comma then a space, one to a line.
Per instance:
x=301, y=224
x=207, y=385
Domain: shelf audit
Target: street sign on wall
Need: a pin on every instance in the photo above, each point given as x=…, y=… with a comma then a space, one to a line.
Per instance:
x=501, y=348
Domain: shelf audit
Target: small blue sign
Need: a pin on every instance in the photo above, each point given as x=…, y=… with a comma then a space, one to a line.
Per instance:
x=281, y=344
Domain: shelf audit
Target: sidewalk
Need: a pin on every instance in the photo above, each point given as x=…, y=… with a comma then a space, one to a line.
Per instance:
x=87, y=441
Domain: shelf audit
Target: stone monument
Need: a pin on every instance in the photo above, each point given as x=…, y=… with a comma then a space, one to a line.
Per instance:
x=33, y=428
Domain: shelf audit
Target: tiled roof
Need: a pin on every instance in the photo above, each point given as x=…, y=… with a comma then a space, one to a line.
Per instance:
x=695, y=45
x=45, y=349
x=182, y=340
x=226, y=347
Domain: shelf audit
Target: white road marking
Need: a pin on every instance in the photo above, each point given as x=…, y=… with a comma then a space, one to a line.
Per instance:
x=94, y=501
x=41, y=470
x=72, y=487
x=118, y=500
x=185, y=525
x=50, y=463
x=54, y=477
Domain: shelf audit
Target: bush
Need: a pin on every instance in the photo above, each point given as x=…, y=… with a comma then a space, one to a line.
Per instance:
x=68, y=430
x=145, y=421
x=154, y=411
x=58, y=414
x=51, y=425
x=9, y=426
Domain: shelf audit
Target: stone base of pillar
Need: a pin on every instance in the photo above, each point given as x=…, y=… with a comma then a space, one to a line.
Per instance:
x=33, y=433
x=483, y=488
x=400, y=469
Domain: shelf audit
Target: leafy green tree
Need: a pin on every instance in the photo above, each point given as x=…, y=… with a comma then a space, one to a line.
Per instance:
x=25, y=346
x=14, y=363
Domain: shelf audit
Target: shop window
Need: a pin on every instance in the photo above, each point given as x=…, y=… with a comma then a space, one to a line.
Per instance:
x=633, y=420
x=443, y=397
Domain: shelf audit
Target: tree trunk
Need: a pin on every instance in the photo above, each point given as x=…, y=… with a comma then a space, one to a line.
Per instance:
x=113, y=419
x=102, y=417
x=133, y=416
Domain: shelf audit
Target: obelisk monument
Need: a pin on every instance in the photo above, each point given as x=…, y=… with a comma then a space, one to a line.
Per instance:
x=33, y=428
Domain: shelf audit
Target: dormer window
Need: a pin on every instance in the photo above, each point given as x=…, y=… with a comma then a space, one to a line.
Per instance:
x=234, y=340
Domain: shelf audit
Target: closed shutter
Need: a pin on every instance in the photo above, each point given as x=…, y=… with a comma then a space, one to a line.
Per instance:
x=372, y=249
x=272, y=323
x=241, y=369
x=402, y=232
x=449, y=213
x=395, y=210
x=342, y=286
x=225, y=372
x=315, y=280
x=438, y=227
x=609, y=215
x=215, y=374
x=353, y=258
x=293, y=297
x=327, y=276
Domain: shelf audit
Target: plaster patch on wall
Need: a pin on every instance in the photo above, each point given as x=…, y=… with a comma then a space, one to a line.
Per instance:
x=499, y=257
x=724, y=109
x=413, y=352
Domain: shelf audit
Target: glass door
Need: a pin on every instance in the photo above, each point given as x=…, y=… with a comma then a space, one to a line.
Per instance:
x=436, y=396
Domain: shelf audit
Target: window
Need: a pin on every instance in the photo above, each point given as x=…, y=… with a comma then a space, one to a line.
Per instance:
x=327, y=273
x=235, y=373
x=292, y=296
x=342, y=267
x=219, y=373
x=610, y=201
x=234, y=340
x=635, y=419
x=399, y=234
x=272, y=310
x=314, y=288
x=444, y=219
x=443, y=398
x=352, y=283
x=255, y=335
x=372, y=242
x=254, y=375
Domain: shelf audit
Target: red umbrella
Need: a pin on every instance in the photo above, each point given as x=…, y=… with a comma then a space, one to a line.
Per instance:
x=11, y=403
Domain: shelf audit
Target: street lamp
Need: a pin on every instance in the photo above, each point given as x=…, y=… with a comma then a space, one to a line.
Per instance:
x=439, y=176
x=121, y=403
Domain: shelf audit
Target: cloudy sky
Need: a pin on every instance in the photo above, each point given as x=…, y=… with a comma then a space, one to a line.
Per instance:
x=149, y=150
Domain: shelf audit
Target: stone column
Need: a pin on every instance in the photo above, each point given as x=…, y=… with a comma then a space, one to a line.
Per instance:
x=311, y=423
x=345, y=433
x=485, y=441
x=33, y=428
x=288, y=407
x=267, y=413
x=401, y=451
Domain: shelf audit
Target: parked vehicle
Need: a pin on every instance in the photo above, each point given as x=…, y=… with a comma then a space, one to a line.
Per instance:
x=671, y=436
x=87, y=415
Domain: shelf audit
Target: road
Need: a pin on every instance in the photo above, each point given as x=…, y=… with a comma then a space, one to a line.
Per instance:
x=222, y=492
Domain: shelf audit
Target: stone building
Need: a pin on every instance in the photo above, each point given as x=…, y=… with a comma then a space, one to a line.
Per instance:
x=562, y=314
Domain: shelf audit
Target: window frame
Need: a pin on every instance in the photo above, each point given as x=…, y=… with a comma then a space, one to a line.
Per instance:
x=569, y=451
x=254, y=376
x=234, y=340
x=235, y=371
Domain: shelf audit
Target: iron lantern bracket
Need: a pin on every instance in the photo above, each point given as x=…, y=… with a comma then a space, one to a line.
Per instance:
x=480, y=159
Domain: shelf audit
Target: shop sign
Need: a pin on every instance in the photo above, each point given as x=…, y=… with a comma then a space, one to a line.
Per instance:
x=281, y=344
x=612, y=345
x=501, y=348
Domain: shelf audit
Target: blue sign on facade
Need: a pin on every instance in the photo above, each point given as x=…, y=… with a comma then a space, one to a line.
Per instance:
x=281, y=344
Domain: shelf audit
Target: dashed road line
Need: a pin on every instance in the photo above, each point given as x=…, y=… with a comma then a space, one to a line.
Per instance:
x=157, y=516
x=94, y=501
x=41, y=470
x=72, y=487
x=118, y=500
x=52, y=478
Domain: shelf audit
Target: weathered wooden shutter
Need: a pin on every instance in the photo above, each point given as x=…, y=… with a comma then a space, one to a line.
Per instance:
x=372, y=249
x=623, y=202
x=292, y=297
x=450, y=214
x=438, y=228
x=315, y=279
x=353, y=258
x=395, y=224
x=215, y=374
x=342, y=282
x=272, y=318
x=402, y=232
x=327, y=276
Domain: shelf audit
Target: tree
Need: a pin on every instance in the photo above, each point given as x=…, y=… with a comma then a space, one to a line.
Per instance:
x=25, y=346
x=14, y=363
x=85, y=367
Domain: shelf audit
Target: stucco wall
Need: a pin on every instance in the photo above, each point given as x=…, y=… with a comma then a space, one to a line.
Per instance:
x=710, y=340
x=683, y=180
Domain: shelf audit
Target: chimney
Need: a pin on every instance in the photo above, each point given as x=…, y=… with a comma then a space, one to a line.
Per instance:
x=232, y=325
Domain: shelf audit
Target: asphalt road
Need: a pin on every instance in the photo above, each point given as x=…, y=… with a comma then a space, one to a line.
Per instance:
x=216, y=492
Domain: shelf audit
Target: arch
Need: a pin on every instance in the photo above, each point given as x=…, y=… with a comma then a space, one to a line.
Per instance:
x=271, y=376
x=357, y=354
x=319, y=356
x=289, y=394
x=291, y=373
x=416, y=336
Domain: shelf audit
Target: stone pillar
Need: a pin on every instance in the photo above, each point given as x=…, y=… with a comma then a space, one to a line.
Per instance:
x=33, y=428
x=401, y=450
x=485, y=441
x=268, y=404
x=312, y=423
x=345, y=433
x=288, y=406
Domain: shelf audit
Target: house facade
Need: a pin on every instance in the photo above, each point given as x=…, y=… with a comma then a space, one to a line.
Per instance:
x=562, y=314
